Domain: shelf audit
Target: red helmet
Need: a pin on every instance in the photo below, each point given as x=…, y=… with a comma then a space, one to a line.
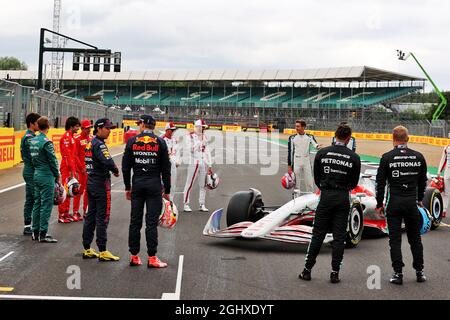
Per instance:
x=288, y=181
x=438, y=183
x=59, y=194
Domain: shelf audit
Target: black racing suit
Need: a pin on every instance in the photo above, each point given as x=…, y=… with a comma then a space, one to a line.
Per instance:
x=147, y=155
x=405, y=171
x=336, y=172
x=99, y=164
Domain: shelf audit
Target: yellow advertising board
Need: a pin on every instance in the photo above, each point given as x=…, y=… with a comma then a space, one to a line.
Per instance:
x=440, y=142
x=7, y=146
x=115, y=138
x=131, y=123
x=17, y=139
x=232, y=128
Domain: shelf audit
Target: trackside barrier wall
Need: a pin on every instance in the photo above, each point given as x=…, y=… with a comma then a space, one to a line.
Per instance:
x=10, y=144
x=440, y=142
x=6, y=148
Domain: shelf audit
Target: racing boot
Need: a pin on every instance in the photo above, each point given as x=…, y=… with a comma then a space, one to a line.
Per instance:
x=135, y=261
x=77, y=217
x=63, y=218
x=107, y=256
x=35, y=236
x=27, y=230
x=203, y=208
x=46, y=238
x=90, y=254
x=305, y=275
x=154, y=262
x=397, y=278
x=334, y=277
x=187, y=208
x=420, y=275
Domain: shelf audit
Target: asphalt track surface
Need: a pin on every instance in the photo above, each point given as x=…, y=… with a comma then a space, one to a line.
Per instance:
x=212, y=268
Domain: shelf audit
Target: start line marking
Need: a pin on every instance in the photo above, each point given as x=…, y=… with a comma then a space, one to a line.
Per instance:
x=165, y=296
x=6, y=289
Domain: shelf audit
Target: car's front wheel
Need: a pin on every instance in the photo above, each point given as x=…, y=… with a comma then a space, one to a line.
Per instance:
x=355, y=226
x=243, y=206
x=435, y=205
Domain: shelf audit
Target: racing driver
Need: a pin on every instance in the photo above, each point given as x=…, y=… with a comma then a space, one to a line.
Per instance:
x=336, y=173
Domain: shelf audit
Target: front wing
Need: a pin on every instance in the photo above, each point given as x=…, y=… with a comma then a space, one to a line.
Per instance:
x=290, y=234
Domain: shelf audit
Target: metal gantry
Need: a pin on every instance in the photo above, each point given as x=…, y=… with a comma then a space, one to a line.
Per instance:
x=57, y=57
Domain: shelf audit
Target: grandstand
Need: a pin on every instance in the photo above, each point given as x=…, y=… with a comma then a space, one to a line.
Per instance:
x=240, y=96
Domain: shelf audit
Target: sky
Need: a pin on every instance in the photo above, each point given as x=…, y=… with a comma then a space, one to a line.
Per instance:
x=242, y=34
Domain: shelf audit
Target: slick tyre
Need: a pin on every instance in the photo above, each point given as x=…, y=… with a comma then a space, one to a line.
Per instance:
x=242, y=207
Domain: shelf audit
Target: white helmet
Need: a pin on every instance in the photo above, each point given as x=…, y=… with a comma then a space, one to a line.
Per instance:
x=212, y=181
x=288, y=181
x=59, y=194
x=169, y=215
x=72, y=187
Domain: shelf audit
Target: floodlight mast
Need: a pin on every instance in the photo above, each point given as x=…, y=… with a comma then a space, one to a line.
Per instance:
x=440, y=109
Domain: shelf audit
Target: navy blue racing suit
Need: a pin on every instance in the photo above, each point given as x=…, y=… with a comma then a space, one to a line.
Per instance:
x=147, y=155
x=99, y=164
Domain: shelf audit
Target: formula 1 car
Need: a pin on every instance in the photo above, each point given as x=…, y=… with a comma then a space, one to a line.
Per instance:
x=248, y=217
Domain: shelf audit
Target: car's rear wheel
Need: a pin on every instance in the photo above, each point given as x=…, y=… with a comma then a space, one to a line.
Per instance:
x=355, y=226
x=435, y=205
x=243, y=206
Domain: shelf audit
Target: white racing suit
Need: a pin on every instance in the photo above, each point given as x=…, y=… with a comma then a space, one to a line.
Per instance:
x=299, y=160
x=199, y=163
x=172, y=147
x=445, y=165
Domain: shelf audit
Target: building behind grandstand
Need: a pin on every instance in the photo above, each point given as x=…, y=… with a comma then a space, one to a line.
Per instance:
x=247, y=97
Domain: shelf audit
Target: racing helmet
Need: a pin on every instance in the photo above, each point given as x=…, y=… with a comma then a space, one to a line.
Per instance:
x=72, y=187
x=438, y=183
x=169, y=215
x=59, y=194
x=288, y=181
x=426, y=220
x=212, y=181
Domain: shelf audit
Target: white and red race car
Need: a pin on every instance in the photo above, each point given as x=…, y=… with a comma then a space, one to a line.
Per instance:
x=248, y=217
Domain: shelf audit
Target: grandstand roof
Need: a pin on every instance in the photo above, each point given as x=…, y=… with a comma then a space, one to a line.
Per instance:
x=361, y=73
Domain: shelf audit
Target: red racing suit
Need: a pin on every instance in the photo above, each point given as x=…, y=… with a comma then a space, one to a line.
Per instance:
x=81, y=142
x=69, y=165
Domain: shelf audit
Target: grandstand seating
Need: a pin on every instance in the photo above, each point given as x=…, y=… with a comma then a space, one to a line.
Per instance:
x=240, y=97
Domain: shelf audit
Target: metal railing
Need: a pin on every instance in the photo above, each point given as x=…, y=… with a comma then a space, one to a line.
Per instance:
x=16, y=101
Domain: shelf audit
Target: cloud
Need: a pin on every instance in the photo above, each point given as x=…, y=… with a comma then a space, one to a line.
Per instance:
x=237, y=34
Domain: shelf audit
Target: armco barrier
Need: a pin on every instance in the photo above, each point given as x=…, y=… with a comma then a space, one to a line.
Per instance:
x=10, y=144
x=439, y=142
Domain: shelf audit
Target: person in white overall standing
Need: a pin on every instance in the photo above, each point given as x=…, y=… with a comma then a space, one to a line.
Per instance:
x=298, y=156
x=199, y=165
